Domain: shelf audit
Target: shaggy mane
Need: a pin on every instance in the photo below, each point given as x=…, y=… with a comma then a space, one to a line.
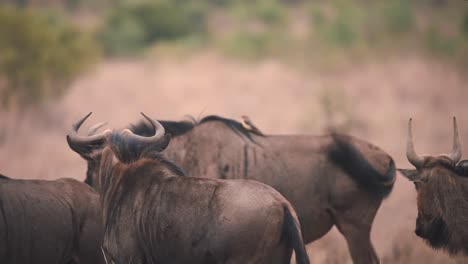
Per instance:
x=177, y=128
x=128, y=150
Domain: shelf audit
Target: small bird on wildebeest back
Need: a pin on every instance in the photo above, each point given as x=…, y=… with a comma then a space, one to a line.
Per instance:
x=247, y=124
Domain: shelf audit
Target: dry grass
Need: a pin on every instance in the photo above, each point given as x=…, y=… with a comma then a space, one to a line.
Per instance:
x=378, y=98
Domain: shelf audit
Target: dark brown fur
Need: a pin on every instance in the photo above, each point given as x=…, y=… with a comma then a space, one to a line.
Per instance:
x=442, y=203
x=49, y=222
x=154, y=214
x=330, y=180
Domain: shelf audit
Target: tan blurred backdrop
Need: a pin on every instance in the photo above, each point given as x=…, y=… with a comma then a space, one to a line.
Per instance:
x=298, y=85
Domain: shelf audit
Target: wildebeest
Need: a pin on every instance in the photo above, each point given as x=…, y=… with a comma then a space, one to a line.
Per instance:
x=330, y=180
x=442, y=185
x=154, y=214
x=49, y=222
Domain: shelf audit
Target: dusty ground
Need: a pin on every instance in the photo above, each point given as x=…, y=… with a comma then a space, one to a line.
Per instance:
x=372, y=101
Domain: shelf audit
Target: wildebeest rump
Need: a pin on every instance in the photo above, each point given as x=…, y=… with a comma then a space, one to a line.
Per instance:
x=442, y=186
x=154, y=214
x=328, y=181
x=49, y=222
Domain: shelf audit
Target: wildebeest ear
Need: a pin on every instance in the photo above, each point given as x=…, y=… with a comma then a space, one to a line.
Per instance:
x=412, y=175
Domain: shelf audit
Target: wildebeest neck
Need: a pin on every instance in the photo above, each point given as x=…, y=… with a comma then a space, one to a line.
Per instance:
x=121, y=181
x=92, y=167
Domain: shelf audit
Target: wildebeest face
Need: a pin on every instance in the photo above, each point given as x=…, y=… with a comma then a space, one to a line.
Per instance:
x=430, y=223
x=432, y=229
x=442, y=196
x=432, y=185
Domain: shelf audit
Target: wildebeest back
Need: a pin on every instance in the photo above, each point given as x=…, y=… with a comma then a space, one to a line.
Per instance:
x=42, y=221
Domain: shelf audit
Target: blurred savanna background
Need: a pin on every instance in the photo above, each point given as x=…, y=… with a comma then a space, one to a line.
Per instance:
x=294, y=66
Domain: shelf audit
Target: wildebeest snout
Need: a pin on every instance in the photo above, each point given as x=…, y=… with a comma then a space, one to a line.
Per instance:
x=420, y=230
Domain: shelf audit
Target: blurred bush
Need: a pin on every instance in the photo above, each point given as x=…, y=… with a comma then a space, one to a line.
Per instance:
x=133, y=26
x=339, y=31
x=440, y=44
x=259, y=29
x=267, y=12
x=247, y=45
x=40, y=54
x=398, y=16
x=332, y=32
x=464, y=24
x=270, y=12
x=350, y=23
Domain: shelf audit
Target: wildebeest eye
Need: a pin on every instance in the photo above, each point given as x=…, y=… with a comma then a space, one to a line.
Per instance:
x=418, y=184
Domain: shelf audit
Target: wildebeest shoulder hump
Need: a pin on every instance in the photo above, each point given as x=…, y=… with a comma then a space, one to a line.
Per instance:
x=177, y=128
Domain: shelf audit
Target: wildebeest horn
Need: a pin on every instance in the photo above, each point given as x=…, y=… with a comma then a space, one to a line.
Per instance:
x=411, y=154
x=456, y=154
x=92, y=130
x=75, y=139
x=158, y=128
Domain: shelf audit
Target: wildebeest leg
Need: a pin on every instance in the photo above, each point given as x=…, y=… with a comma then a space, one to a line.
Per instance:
x=273, y=247
x=270, y=253
x=359, y=245
x=355, y=225
x=316, y=224
x=90, y=241
x=279, y=256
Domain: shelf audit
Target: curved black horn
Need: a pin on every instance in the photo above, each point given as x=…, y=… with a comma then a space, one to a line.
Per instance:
x=456, y=153
x=158, y=134
x=75, y=139
x=92, y=130
x=411, y=155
